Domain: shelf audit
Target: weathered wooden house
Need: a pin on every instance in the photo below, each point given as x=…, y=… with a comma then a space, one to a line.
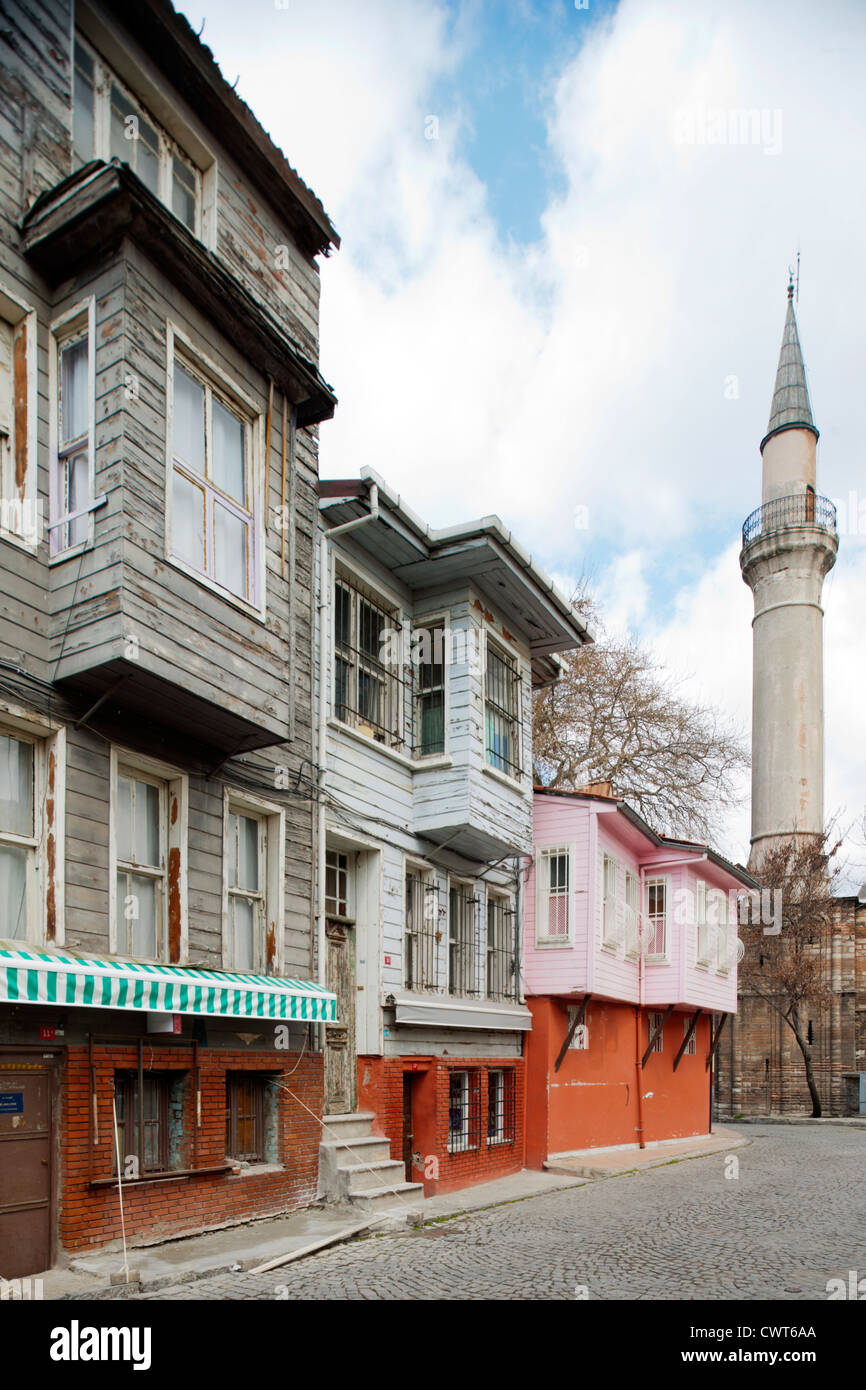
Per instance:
x=429, y=645
x=159, y=403
x=631, y=973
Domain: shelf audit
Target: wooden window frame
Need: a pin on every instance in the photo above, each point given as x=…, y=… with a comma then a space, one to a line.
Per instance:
x=259, y=1082
x=181, y=350
x=658, y=957
x=272, y=834
x=46, y=866
x=703, y=955
x=76, y=324
x=543, y=894
x=20, y=508
x=164, y=1080
x=173, y=843
x=434, y=624
x=510, y=718
x=390, y=734
x=502, y=950
x=505, y=1102
x=169, y=148
x=653, y=1021
x=463, y=939
x=611, y=933
x=632, y=914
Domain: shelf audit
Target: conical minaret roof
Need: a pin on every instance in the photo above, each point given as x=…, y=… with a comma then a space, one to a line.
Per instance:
x=790, y=408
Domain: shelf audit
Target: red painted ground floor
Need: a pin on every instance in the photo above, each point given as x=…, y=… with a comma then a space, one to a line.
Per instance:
x=602, y=1095
x=206, y=1135
x=454, y=1121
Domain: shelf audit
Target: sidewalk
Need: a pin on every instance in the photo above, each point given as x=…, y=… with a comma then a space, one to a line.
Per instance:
x=611, y=1163
x=832, y=1121
x=173, y=1262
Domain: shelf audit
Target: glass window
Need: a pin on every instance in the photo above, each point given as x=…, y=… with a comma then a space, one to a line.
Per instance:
x=18, y=843
x=554, y=895
x=656, y=889
x=245, y=1116
x=246, y=892
x=143, y=1123
x=139, y=849
x=502, y=685
x=71, y=481
x=502, y=949
x=366, y=684
x=83, y=105
x=212, y=524
x=336, y=883
x=464, y=1105
x=430, y=705
x=462, y=940
x=420, y=939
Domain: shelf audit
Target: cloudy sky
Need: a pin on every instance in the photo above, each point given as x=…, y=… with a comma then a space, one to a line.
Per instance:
x=560, y=297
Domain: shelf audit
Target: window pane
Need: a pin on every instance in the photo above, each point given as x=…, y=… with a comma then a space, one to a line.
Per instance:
x=230, y=550
x=13, y=891
x=433, y=723
x=16, y=786
x=123, y=830
x=124, y=125
x=371, y=624
x=83, y=105
x=77, y=484
x=74, y=414
x=182, y=197
x=187, y=522
x=248, y=853
x=146, y=824
x=227, y=466
x=342, y=616
x=243, y=923
x=147, y=156
x=142, y=916
x=188, y=434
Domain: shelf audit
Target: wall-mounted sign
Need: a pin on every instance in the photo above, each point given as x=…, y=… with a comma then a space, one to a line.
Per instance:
x=11, y=1102
x=47, y=1034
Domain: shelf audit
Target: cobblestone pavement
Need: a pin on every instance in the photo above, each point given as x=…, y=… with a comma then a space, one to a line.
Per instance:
x=793, y=1218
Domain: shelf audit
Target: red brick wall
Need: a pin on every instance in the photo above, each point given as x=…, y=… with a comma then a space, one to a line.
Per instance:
x=90, y=1216
x=380, y=1090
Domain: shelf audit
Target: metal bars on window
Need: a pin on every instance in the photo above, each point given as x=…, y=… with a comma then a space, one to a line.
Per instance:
x=500, y=1106
x=462, y=940
x=502, y=712
x=502, y=949
x=368, y=687
x=421, y=934
x=464, y=1111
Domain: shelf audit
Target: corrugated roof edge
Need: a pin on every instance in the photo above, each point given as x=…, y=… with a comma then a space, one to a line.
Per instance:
x=737, y=870
x=485, y=526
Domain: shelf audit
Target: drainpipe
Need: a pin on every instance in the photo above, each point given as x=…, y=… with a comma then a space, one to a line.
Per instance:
x=639, y=1009
x=322, y=740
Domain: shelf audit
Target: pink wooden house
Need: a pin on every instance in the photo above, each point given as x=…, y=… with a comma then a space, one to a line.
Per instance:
x=630, y=964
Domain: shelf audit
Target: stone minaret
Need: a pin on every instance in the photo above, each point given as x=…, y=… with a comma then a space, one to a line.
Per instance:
x=789, y=545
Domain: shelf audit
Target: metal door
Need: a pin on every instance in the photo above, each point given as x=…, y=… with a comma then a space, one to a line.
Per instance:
x=26, y=1144
x=340, y=1057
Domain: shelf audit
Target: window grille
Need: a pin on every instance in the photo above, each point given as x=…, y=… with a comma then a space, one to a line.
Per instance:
x=367, y=685
x=654, y=1022
x=421, y=936
x=245, y=1116
x=502, y=949
x=580, y=1036
x=632, y=913
x=464, y=1111
x=656, y=890
x=462, y=905
x=502, y=712
x=430, y=670
x=692, y=1044
x=500, y=1106
x=142, y=1120
x=610, y=901
x=554, y=895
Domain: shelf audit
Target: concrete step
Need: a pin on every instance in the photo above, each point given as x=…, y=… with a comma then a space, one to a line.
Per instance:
x=403, y=1199
x=347, y=1126
x=363, y=1177
x=346, y=1152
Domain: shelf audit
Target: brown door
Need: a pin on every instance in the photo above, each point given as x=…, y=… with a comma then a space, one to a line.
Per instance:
x=408, y=1135
x=340, y=1058
x=26, y=1144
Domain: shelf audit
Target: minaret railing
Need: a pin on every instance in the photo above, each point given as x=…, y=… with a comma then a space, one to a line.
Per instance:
x=803, y=509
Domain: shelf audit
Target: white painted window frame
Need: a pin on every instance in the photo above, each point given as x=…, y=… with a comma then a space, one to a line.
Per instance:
x=580, y=1036
x=215, y=379
x=356, y=578
x=702, y=934
x=543, y=854
x=442, y=620
x=14, y=312
x=632, y=914
x=467, y=889
x=68, y=326
x=272, y=849
x=611, y=932
x=173, y=836
x=658, y=957
x=426, y=873
x=49, y=783
x=169, y=147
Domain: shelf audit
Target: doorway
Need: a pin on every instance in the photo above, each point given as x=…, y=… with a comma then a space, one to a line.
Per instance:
x=408, y=1126
x=27, y=1113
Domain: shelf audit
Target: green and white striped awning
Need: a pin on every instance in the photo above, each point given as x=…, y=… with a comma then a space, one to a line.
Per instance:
x=32, y=976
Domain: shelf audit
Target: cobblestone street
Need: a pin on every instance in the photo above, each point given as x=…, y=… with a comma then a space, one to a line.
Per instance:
x=794, y=1217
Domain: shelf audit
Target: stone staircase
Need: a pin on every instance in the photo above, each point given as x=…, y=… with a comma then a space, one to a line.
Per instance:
x=356, y=1167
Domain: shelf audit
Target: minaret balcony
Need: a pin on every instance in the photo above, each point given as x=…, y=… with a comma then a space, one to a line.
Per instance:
x=804, y=509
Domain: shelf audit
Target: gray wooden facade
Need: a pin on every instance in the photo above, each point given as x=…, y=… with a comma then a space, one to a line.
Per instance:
x=115, y=646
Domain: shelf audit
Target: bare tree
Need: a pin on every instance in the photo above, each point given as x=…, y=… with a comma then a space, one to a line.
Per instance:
x=789, y=970
x=615, y=716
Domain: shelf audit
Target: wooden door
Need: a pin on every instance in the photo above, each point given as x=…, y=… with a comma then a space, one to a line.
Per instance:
x=26, y=1145
x=340, y=1055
